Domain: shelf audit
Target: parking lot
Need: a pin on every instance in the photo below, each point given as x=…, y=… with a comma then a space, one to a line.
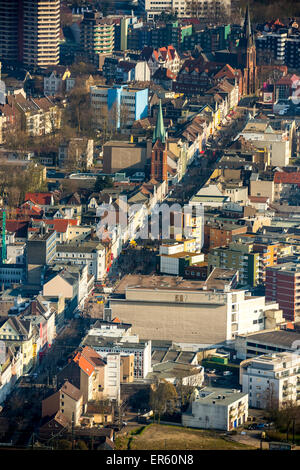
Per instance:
x=217, y=379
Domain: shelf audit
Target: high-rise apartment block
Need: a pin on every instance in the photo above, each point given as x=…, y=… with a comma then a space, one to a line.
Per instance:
x=9, y=32
x=283, y=286
x=29, y=31
x=97, y=34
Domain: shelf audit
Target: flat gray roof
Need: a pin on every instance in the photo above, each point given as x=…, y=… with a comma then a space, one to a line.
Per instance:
x=226, y=396
x=278, y=338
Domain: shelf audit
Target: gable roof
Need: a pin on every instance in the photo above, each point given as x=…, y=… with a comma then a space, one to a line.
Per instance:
x=21, y=327
x=92, y=356
x=18, y=227
x=84, y=364
x=59, y=225
x=39, y=198
x=71, y=391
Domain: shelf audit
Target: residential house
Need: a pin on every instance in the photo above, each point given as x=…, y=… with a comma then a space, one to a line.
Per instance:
x=164, y=57
x=76, y=153
x=68, y=400
x=58, y=80
x=19, y=332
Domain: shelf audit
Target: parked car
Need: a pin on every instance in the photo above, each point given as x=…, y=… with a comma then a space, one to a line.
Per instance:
x=251, y=427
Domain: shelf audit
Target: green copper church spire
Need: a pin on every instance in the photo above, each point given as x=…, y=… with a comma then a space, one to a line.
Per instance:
x=159, y=131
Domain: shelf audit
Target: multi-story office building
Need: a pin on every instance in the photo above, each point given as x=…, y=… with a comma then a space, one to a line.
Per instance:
x=283, y=286
x=216, y=408
x=29, y=31
x=121, y=105
x=97, y=34
x=41, y=248
x=113, y=337
x=184, y=312
x=237, y=256
x=40, y=22
x=89, y=253
x=271, y=379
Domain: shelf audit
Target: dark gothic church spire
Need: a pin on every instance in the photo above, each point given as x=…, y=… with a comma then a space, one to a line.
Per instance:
x=247, y=30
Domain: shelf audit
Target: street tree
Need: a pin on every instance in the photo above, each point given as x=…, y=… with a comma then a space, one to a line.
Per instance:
x=163, y=397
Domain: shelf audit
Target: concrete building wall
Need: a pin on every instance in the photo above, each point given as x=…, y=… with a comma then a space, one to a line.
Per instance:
x=121, y=158
x=51, y=405
x=262, y=189
x=68, y=406
x=58, y=286
x=174, y=321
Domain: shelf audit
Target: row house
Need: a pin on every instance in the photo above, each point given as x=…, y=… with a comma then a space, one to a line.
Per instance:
x=42, y=316
x=18, y=332
x=95, y=377
x=164, y=57
x=73, y=282
x=227, y=90
x=37, y=116
x=58, y=80
x=128, y=212
x=11, y=368
x=90, y=253
x=68, y=400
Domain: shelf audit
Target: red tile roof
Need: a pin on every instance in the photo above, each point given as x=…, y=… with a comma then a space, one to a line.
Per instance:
x=84, y=364
x=288, y=178
x=59, y=225
x=92, y=356
x=19, y=227
x=259, y=199
x=43, y=199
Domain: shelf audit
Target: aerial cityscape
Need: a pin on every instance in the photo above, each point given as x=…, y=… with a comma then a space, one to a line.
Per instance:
x=150, y=227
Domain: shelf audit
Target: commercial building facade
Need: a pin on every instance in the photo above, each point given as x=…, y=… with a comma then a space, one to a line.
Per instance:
x=217, y=408
x=120, y=105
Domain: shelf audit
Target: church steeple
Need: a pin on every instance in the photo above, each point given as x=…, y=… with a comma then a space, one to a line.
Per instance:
x=247, y=30
x=159, y=131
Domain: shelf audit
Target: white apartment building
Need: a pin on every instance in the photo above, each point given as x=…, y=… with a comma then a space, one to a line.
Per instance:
x=271, y=379
x=203, y=9
x=88, y=253
x=110, y=338
x=216, y=408
x=112, y=376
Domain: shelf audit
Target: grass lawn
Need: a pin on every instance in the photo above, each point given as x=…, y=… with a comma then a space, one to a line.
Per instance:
x=160, y=437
